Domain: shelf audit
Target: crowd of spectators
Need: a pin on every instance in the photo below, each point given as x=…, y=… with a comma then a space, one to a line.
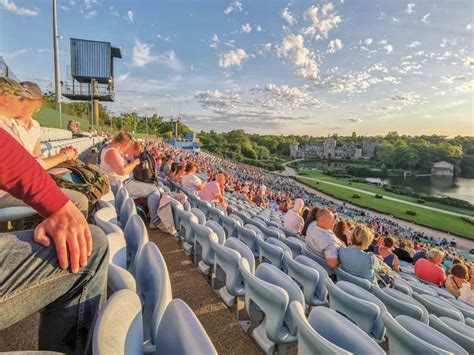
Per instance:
x=60, y=268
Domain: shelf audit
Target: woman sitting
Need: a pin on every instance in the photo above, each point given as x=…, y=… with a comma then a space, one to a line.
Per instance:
x=429, y=269
x=384, y=249
x=343, y=230
x=311, y=217
x=459, y=275
x=113, y=163
x=354, y=259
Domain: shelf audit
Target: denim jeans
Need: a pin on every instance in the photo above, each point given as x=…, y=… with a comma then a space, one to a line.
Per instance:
x=138, y=189
x=31, y=281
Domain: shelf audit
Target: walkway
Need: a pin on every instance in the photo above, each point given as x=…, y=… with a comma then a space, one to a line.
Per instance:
x=191, y=286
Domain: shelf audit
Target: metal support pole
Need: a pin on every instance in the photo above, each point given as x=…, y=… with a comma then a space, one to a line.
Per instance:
x=57, y=82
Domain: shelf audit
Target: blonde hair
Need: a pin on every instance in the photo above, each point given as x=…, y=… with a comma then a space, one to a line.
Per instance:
x=433, y=253
x=362, y=236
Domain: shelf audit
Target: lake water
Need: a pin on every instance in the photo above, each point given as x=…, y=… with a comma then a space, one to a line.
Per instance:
x=437, y=186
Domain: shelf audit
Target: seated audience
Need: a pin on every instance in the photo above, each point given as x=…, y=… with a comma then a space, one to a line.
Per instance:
x=190, y=181
x=311, y=217
x=113, y=163
x=293, y=221
x=459, y=274
x=35, y=276
x=321, y=240
x=214, y=191
x=402, y=253
x=259, y=198
x=422, y=253
x=354, y=259
x=429, y=269
x=343, y=230
x=384, y=249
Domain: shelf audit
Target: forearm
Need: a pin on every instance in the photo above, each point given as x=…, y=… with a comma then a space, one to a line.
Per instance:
x=51, y=162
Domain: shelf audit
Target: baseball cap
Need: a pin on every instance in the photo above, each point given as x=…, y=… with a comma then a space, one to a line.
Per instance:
x=9, y=87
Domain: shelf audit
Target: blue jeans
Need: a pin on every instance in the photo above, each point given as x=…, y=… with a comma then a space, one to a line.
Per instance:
x=31, y=281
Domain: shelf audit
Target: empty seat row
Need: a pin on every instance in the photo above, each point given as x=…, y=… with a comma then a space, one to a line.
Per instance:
x=54, y=134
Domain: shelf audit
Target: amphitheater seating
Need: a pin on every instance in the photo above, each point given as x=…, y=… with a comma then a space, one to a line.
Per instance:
x=438, y=306
x=136, y=236
x=408, y=336
x=320, y=260
x=271, y=291
x=54, y=134
x=15, y=213
x=116, y=331
x=272, y=251
x=128, y=210
x=398, y=303
x=359, y=281
x=327, y=332
x=459, y=332
x=249, y=237
x=203, y=236
x=311, y=276
x=154, y=288
x=359, y=305
x=106, y=218
x=180, y=332
x=466, y=309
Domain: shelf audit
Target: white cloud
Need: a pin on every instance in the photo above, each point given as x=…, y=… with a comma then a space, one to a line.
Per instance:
x=358, y=82
x=368, y=41
x=388, y=48
x=469, y=62
x=425, y=18
x=288, y=17
x=335, y=45
x=303, y=60
x=378, y=67
x=414, y=44
x=130, y=16
x=284, y=96
x=10, y=6
x=142, y=56
x=258, y=28
x=323, y=20
x=234, y=6
x=409, y=98
x=394, y=19
x=468, y=27
x=410, y=8
x=246, y=28
x=232, y=58
x=214, y=41
x=90, y=14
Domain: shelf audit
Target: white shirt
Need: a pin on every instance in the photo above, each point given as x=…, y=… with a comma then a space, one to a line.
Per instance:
x=113, y=177
x=293, y=222
x=189, y=182
x=322, y=242
x=28, y=136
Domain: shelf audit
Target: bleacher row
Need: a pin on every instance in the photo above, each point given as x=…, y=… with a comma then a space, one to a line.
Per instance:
x=289, y=296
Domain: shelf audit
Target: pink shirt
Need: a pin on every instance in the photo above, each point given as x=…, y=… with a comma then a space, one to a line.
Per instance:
x=429, y=271
x=210, y=192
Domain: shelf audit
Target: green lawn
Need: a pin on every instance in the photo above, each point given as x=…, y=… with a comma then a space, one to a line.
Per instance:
x=375, y=189
x=433, y=219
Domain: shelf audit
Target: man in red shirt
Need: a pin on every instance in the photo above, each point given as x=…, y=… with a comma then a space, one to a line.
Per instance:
x=34, y=273
x=429, y=269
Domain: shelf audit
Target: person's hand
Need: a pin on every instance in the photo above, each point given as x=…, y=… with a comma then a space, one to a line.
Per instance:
x=70, y=232
x=69, y=152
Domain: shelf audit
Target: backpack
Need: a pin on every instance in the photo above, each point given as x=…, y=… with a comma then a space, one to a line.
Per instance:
x=88, y=179
x=145, y=171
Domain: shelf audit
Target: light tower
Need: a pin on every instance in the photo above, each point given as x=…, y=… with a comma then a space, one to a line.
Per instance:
x=174, y=122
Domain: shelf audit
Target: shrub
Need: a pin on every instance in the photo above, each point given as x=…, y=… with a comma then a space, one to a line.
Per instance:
x=378, y=196
x=411, y=213
x=420, y=200
x=356, y=196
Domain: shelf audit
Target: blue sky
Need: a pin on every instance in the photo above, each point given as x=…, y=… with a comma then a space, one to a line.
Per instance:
x=268, y=66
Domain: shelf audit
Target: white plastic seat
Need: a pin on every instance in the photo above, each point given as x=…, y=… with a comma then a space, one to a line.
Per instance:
x=153, y=287
x=128, y=209
x=136, y=236
x=106, y=219
x=118, y=331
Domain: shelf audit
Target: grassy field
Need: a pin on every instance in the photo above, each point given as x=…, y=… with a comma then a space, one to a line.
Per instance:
x=375, y=189
x=433, y=219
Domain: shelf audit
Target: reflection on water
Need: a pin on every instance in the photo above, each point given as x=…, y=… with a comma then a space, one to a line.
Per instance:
x=437, y=186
